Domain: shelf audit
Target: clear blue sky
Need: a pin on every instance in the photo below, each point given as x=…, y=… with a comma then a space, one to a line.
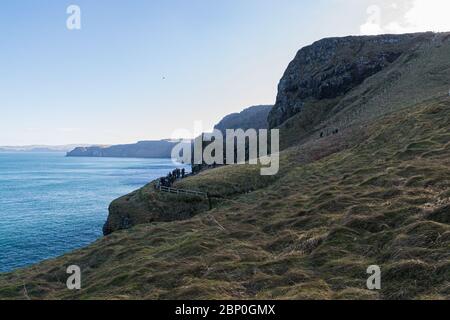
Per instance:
x=140, y=69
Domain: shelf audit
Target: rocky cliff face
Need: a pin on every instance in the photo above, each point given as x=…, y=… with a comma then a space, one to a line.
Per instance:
x=142, y=149
x=146, y=206
x=250, y=118
x=331, y=67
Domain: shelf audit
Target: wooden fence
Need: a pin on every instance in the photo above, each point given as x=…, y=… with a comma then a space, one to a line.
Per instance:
x=183, y=192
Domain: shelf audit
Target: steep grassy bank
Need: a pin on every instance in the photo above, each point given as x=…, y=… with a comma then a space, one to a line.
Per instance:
x=376, y=193
x=336, y=85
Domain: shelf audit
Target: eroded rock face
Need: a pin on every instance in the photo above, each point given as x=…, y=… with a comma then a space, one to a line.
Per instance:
x=331, y=67
x=142, y=149
x=250, y=118
x=147, y=205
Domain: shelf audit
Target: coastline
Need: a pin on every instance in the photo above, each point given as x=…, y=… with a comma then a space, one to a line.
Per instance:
x=64, y=203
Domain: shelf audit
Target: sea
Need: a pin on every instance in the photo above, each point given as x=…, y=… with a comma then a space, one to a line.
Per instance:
x=51, y=204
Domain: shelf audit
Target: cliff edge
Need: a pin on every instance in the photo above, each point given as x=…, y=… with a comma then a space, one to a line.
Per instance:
x=142, y=149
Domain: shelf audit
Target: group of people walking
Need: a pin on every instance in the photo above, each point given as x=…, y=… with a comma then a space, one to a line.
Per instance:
x=323, y=134
x=171, y=178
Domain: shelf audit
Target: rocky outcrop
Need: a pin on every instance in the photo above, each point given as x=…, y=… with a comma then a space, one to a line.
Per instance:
x=251, y=118
x=142, y=149
x=147, y=205
x=332, y=67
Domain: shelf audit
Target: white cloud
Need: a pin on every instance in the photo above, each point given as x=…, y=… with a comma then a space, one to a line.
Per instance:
x=421, y=15
x=429, y=14
x=373, y=23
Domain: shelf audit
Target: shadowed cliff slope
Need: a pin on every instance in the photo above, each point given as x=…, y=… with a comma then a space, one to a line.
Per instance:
x=250, y=118
x=339, y=82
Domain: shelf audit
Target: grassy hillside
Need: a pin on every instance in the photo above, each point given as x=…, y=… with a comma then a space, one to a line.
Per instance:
x=375, y=193
x=421, y=72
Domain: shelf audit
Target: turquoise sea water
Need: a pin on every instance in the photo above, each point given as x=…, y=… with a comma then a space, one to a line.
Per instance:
x=51, y=204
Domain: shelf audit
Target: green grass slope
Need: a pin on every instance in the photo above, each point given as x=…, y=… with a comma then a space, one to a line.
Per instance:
x=376, y=193
x=421, y=72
